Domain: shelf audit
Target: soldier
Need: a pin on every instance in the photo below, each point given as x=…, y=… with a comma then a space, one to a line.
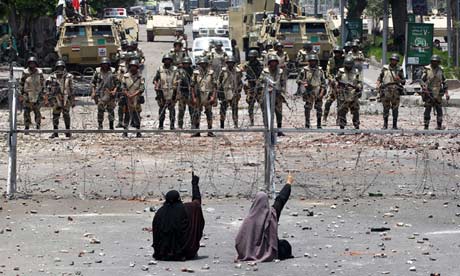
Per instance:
x=104, y=86
x=434, y=88
x=390, y=84
x=184, y=94
x=349, y=87
x=313, y=83
x=217, y=57
x=236, y=51
x=60, y=95
x=230, y=84
x=165, y=82
x=275, y=75
x=120, y=97
x=284, y=60
x=302, y=55
x=133, y=86
x=347, y=47
x=203, y=93
x=177, y=52
x=357, y=55
x=124, y=44
x=180, y=36
x=134, y=47
x=253, y=69
x=32, y=85
x=333, y=66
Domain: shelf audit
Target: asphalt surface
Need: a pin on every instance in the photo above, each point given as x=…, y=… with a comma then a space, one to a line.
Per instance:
x=86, y=197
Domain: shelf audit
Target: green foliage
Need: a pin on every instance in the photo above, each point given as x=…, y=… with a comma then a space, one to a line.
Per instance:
x=374, y=8
x=30, y=7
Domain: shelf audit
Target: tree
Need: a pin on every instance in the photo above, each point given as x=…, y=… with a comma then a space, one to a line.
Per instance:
x=356, y=8
x=399, y=16
x=374, y=10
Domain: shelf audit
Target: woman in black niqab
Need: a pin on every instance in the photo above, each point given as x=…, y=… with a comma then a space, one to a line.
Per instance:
x=170, y=228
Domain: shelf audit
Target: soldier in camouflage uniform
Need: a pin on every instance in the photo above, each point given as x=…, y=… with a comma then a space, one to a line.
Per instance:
x=217, y=58
x=253, y=69
x=435, y=87
x=184, y=93
x=283, y=59
x=165, y=82
x=333, y=66
x=357, y=56
x=390, y=84
x=59, y=88
x=134, y=47
x=302, y=55
x=349, y=87
x=312, y=83
x=275, y=75
x=177, y=52
x=120, y=97
x=104, y=89
x=31, y=86
x=204, y=89
x=133, y=86
x=230, y=84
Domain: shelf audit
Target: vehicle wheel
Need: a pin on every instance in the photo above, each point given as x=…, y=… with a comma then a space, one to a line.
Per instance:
x=150, y=36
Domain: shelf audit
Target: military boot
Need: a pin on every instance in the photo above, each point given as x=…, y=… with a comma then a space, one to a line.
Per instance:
x=395, y=118
x=385, y=123
x=67, y=127
x=111, y=125
x=55, y=134
x=426, y=125
x=439, y=125
x=235, y=123
x=280, y=134
x=100, y=126
x=210, y=133
x=222, y=124
x=26, y=132
x=318, y=122
x=307, y=118
x=251, y=120
x=161, y=125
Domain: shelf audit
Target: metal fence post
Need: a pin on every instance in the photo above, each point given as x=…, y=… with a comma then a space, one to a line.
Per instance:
x=12, y=138
x=269, y=106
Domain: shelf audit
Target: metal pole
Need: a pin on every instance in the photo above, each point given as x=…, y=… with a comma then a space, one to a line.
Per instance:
x=12, y=136
x=316, y=7
x=342, y=21
x=269, y=104
x=457, y=33
x=449, y=33
x=385, y=32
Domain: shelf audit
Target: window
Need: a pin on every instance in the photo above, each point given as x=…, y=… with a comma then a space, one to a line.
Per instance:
x=102, y=30
x=315, y=28
x=292, y=28
x=75, y=31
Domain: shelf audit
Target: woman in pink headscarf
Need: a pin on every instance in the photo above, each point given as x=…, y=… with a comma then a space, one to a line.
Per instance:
x=257, y=239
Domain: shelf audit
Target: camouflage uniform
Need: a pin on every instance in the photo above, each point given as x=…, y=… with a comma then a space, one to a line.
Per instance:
x=184, y=77
x=230, y=85
x=283, y=58
x=60, y=95
x=132, y=84
x=435, y=81
x=217, y=60
x=105, y=85
x=333, y=67
x=302, y=57
x=347, y=96
x=278, y=77
x=253, y=70
x=120, y=97
x=359, y=58
x=166, y=81
x=177, y=56
x=390, y=92
x=32, y=85
x=204, y=87
x=313, y=84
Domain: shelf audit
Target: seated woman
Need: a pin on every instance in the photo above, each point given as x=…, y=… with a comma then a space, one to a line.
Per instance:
x=177, y=228
x=257, y=239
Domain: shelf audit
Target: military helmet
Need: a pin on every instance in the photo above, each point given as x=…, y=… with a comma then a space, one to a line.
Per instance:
x=279, y=44
x=355, y=44
x=32, y=59
x=105, y=60
x=231, y=59
x=272, y=58
x=167, y=56
x=348, y=44
x=134, y=63
x=253, y=53
x=124, y=42
x=218, y=43
x=394, y=57
x=178, y=42
x=59, y=63
x=338, y=49
x=313, y=57
x=349, y=61
x=307, y=44
x=186, y=59
x=122, y=56
x=435, y=58
x=202, y=60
